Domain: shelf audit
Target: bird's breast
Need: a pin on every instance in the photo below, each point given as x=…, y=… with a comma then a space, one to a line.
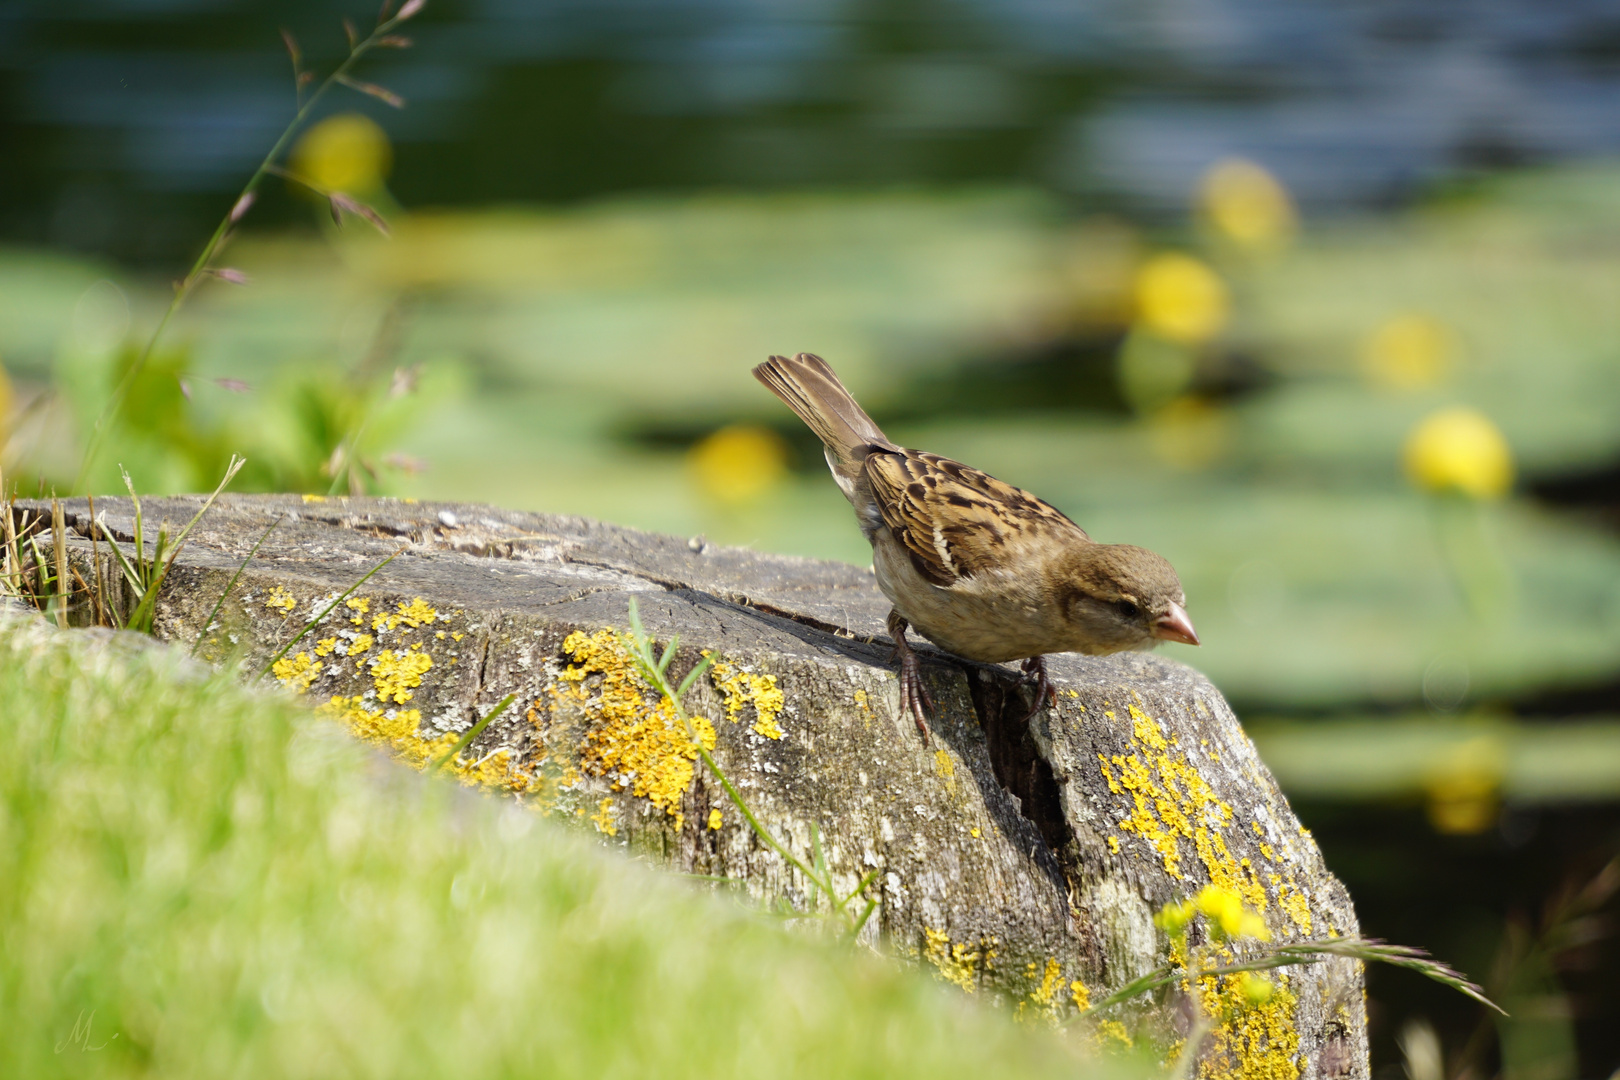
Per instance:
x=992, y=617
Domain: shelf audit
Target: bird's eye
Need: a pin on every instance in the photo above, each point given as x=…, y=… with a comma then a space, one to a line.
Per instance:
x=1128, y=609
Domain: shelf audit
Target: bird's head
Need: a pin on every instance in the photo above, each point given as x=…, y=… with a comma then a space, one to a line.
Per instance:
x=1121, y=597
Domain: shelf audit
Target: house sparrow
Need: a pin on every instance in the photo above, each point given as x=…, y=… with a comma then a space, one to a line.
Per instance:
x=978, y=567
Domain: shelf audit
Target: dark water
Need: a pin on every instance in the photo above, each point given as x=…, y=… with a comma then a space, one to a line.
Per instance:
x=123, y=123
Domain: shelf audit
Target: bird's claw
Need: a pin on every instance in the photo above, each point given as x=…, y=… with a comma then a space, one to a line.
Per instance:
x=1045, y=692
x=914, y=697
x=913, y=694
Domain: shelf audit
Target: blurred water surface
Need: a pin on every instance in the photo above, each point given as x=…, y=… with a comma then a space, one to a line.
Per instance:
x=121, y=119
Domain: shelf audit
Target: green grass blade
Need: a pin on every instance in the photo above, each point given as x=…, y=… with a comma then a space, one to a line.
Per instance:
x=1151, y=981
x=860, y=923
x=637, y=631
x=140, y=530
x=669, y=654
x=818, y=856
x=472, y=733
x=1371, y=950
x=692, y=676
x=130, y=573
x=230, y=473
x=870, y=877
x=232, y=584
x=145, y=612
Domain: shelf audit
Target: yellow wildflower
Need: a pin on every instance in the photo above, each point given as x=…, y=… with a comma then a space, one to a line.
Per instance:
x=1459, y=449
x=1180, y=298
x=1247, y=205
x=1226, y=912
x=738, y=464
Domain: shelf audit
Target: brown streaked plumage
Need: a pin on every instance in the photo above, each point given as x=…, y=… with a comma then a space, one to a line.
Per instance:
x=980, y=568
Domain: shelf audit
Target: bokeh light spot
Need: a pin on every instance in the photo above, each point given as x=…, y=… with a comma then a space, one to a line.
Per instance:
x=1190, y=433
x=1459, y=449
x=739, y=464
x=1180, y=298
x=1247, y=205
x=347, y=153
x=1464, y=787
x=1410, y=352
x=5, y=409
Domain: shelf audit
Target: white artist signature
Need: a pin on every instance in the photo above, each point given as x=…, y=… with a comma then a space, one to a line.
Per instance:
x=80, y=1035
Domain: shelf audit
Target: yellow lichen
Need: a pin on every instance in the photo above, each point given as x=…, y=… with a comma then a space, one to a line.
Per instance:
x=1146, y=729
x=1113, y=845
x=497, y=769
x=396, y=729
x=359, y=605
x=360, y=644
x=412, y=613
x=956, y=964
x=416, y=613
x=1079, y=995
x=1294, y=904
x=396, y=674
x=325, y=646
x=1044, y=994
x=1254, y=1041
x=743, y=688
x=603, y=818
x=281, y=600
x=1106, y=1032
x=715, y=820
x=314, y=498
x=1171, y=802
x=297, y=672
x=642, y=747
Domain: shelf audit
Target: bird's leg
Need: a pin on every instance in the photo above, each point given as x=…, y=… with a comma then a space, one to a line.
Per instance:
x=1045, y=693
x=913, y=695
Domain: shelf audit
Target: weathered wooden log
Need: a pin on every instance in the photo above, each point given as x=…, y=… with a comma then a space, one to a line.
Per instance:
x=1024, y=857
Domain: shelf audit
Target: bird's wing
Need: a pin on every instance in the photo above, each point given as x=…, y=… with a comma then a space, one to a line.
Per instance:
x=957, y=521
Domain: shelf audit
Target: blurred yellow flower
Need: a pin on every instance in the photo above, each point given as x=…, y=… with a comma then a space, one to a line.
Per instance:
x=740, y=463
x=347, y=153
x=1409, y=352
x=1247, y=205
x=1256, y=989
x=1463, y=787
x=1459, y=449
x=1173, y=918
x=1180, y=298
x=1225, y=911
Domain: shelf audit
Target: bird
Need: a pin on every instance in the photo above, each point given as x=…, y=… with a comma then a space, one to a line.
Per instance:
x=984, y=570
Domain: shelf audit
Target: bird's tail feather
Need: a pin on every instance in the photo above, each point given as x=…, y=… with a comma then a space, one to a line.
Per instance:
x=807, y=385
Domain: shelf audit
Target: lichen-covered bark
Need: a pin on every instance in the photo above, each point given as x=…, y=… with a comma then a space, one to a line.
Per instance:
x=1024, y=857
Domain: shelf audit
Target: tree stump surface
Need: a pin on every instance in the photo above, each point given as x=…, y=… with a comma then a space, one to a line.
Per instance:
x=1001, y=847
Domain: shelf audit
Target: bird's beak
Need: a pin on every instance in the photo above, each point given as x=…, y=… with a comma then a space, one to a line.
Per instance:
x=1175, y=626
